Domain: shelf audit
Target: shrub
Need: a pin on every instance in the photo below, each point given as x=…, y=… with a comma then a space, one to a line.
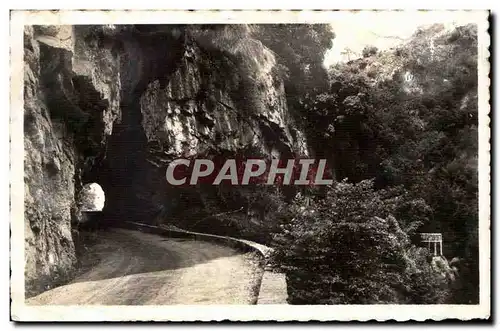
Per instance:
x=369, y=51
x=347, y=248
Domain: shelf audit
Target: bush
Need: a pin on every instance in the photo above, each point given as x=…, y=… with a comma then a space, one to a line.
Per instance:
x=369, y=51
x=347, y=248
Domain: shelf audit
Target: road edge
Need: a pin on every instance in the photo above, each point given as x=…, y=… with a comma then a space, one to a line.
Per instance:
x=272, y=288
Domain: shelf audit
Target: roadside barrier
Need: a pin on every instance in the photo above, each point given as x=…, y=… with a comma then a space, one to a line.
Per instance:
x=272, y=288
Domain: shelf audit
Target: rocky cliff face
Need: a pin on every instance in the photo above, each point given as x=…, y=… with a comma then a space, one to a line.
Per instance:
x=208, y=105
x=114, y=105
x=69, y=102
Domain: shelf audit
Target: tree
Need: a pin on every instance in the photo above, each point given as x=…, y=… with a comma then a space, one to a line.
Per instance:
x=409, y=117
x=348, y=248
x=369, y=51
x=300, y=50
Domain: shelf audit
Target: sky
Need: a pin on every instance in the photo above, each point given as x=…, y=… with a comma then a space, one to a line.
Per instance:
x=384, y=29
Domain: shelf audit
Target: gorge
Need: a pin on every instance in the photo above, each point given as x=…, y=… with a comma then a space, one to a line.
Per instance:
x=115, y=104
x=396, y=130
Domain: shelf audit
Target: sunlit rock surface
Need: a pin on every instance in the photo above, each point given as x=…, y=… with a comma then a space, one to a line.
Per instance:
x=115, y=104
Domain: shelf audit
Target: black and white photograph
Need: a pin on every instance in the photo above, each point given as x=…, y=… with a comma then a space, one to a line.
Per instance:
x=249, y=165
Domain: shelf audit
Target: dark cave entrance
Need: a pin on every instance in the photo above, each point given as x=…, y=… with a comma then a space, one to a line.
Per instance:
x=131, y=183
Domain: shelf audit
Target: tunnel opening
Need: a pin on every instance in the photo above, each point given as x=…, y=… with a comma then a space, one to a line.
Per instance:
x=92, y=198
x=129, y=180
x=91, y=201
x=135, y=189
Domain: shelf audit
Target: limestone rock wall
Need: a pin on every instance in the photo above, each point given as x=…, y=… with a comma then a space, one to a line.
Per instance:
x=115, y=104
x=214, y=105
x=70, y=103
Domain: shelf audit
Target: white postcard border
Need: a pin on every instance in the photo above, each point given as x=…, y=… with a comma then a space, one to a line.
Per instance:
x=21, y=312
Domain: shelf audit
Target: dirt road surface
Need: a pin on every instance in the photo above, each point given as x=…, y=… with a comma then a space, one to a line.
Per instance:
x=138, y=268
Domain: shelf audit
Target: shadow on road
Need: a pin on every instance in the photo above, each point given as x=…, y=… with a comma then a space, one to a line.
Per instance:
x=121, y=252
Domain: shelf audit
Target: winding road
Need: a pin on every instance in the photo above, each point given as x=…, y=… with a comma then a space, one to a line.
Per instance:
x=136, y=268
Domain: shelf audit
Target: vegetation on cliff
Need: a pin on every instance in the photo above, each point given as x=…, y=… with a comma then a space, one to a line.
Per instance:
x=346, y=247
x=398, y=128
x=405, y=117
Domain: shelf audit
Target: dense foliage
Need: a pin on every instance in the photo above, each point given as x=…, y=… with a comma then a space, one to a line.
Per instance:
x=299, y=49
x=400, y=126
x=347, y=248
x=406, y=117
